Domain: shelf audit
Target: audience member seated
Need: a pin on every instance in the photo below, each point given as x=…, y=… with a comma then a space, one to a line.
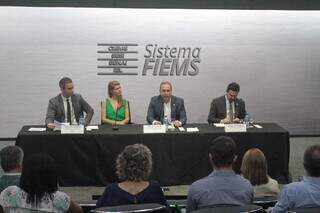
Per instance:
x=305, y=193
x=254, y=168
x=134, y=166
x=38, y=189
x=11, y=163
x=222, y=186
x=114, y=108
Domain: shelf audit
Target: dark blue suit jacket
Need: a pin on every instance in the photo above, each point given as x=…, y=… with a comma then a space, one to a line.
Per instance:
x=155, y=110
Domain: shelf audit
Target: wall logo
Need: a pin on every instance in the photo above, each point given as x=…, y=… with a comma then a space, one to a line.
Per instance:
x=122, y=59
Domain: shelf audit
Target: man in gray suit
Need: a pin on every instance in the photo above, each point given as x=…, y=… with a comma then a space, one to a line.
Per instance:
x=168, y=105
x=227, y=108
x=67, y=106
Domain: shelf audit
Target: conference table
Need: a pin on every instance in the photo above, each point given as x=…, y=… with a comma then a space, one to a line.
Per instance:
x=179, y=158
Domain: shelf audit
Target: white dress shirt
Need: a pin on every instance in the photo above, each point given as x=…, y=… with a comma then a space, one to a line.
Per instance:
x=73, y=117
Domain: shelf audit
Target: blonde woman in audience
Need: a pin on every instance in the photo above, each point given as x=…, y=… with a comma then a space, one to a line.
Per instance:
x=115, y=108
x=254, y=168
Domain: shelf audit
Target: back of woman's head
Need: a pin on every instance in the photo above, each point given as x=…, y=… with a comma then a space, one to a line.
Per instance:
x=254, y=167
x=134, y=163
x=39, y=176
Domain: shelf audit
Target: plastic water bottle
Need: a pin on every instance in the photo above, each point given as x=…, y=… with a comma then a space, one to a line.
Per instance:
x=82, y=121
x=248, y=120
x=166, y=122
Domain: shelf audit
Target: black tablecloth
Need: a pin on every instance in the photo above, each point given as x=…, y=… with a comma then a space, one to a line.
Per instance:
x=178, y=157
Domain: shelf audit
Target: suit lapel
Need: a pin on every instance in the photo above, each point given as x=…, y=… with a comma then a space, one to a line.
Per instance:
x=236, y=108
x=224, y=106
x=173, y=107
x=75, y=106
x=61, y=107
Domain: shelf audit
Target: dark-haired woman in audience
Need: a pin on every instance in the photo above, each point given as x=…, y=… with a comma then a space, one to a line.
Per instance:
x=134, y=166
x=254, y=168
x=114, y=108
x=38, y=189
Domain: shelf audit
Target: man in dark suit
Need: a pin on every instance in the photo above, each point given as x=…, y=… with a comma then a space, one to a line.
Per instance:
x=227, y=108
x=168, y=105
x=67, y=106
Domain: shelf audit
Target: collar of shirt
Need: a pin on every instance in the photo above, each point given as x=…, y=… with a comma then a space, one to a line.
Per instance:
x=310, y=179
x=222, y=172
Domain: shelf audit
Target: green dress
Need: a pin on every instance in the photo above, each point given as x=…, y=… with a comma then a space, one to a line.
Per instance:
x=111, y=112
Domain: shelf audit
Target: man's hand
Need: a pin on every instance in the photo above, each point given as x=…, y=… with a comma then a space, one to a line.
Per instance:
x=177, y=123
x=227, y=120
x=236, y=120
x=51, y=125
x=155, y=122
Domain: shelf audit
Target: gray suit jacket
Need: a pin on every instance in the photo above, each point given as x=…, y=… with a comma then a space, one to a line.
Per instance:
x=155, y=109
x=56, y=111
x=218, y=109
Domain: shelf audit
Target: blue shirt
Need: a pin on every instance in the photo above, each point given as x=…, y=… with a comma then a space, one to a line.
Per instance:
x=299, y=194
x=220, y=187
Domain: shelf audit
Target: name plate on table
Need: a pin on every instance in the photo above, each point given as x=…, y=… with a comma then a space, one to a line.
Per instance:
x=154, y=129
x=72, y=129
x=235, y=128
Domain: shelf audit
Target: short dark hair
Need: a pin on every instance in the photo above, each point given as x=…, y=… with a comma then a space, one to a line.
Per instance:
x=234, y=87
x=39, y=177
x=11, y=157
x=311, y=161
x=223, y=151
x=63, y=81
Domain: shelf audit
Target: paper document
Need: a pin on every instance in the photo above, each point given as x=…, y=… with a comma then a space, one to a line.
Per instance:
x=72, y=129
x=154, y=129
x=192, y=129
x=258, y=126
x=235, y=128
x=218, y=125
x=89, y=128
x=37, y=129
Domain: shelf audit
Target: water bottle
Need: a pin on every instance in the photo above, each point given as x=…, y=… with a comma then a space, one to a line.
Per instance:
x=246, y=120
x=82, y=121
x=166, y=122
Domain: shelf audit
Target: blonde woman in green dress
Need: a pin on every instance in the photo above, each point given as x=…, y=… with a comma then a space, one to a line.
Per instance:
x=115, y=108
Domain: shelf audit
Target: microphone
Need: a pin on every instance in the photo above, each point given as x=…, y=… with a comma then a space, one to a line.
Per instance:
x=115, y=126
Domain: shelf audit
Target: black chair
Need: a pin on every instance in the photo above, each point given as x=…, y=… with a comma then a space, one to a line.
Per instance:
x=129, y=113
x=87, y=206
x=306, y=210
x=225, y=208
x=265, y=202
x=133, y=208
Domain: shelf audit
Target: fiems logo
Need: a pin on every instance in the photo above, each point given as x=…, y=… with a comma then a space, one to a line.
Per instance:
x=121, y=59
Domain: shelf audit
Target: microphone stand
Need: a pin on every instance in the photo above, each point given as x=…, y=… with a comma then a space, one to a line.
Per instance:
x=115, y=127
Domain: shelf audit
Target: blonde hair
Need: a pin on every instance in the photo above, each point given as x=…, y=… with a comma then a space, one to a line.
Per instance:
x=134, y=163
x=254, y=167
x=111, y=86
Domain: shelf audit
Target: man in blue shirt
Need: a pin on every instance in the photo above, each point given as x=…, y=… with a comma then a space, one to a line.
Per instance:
x=307, y=192
x=222, y=186
x=11, y=163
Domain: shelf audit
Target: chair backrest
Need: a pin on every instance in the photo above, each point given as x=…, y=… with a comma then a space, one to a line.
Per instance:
x=225, y=208
x=129, y=113
x=23, y=210
x=265, y=202
x=306, y=210
x=132, y=208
